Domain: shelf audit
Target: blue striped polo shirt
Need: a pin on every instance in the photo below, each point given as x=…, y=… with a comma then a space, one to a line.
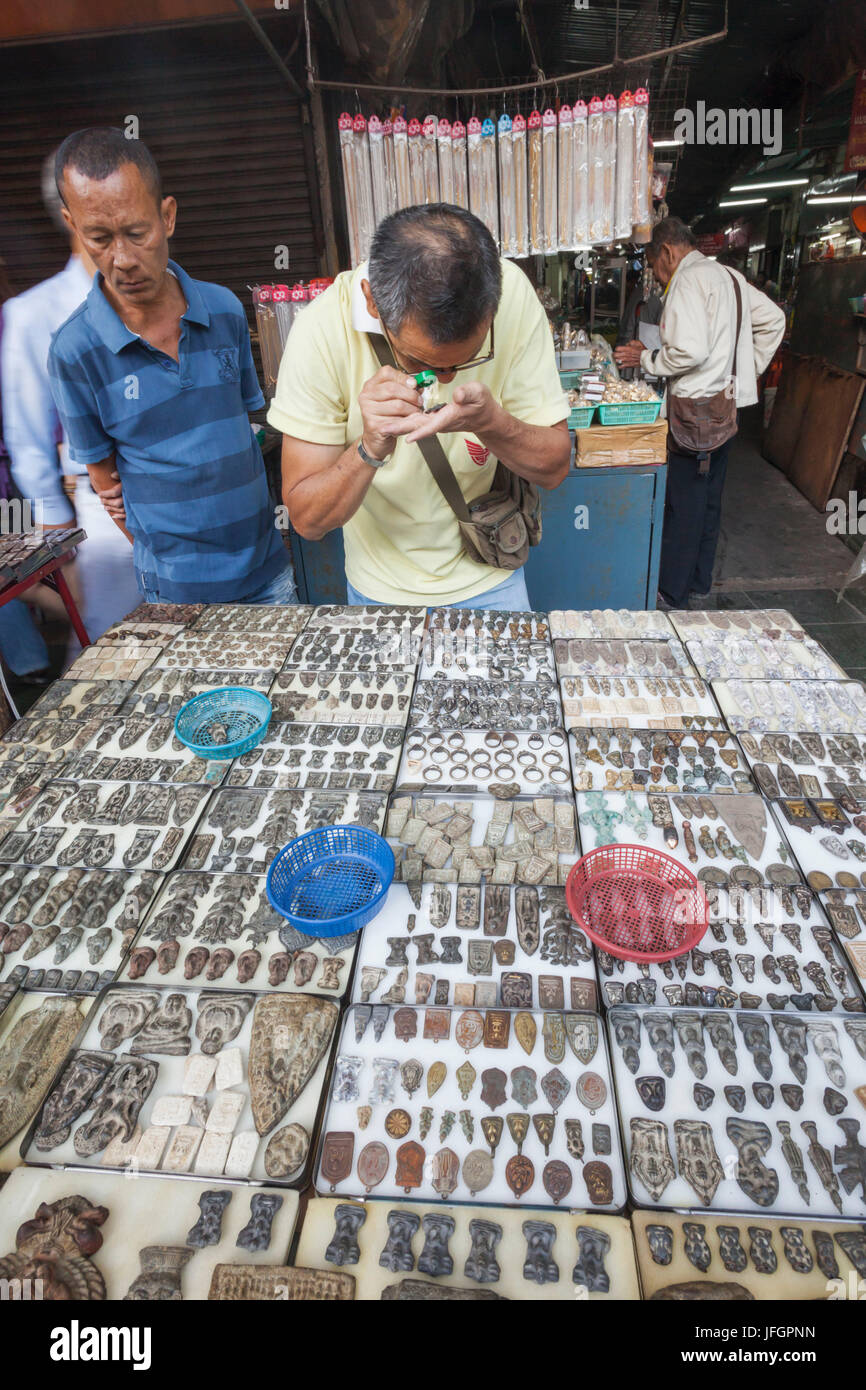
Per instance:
x=194, y=484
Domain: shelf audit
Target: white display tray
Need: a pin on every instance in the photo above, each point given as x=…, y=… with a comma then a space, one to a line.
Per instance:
x=157, y=634
x=561, y=956
x=694, y=622
x=267, y=618
x=479, y=760
x=728, y=656
x=779, y=1260
x=657, y=760
x=170, y=1082
x=339, y=757
x=765, y=849
x=464, y=655
x=846, y=913
x=717, y=973
x=237, y=651
x=336, y=616
x=786, y=706
x=152, y=1211
x=79, y=914
x=68, y=699
x=514, y=1280
x=194, y=910
x=836, y=764
x=491, y=624
x=21, y=1005
x=342, y=697
x=115, y=661
x=609, y=622
x=505, y=854
x=263, y=822
x=823, y=853
x=49, y=740
x=638, y=703
x=617, y=656
x=44, y=837
x=476, y=703
x=679, y=1104
x=342, y=1116
x=140, y=749
x=356, y=649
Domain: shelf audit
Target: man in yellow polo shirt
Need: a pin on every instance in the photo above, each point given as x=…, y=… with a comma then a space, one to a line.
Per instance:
x=438, y=294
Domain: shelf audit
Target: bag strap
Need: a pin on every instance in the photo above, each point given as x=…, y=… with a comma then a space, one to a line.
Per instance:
x=431, y=447
x=739, y=299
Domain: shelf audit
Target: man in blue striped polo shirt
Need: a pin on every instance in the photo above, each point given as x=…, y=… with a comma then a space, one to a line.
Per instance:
x=154, y=379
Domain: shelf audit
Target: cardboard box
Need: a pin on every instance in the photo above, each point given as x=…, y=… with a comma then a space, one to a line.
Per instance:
x=621, y=446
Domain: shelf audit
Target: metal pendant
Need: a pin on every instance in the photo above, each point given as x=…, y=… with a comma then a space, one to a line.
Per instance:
x=497, y=1026
x=650, y=1160
x=697, y=1250
x=853, y=1243
x=477, y=1171
x=437, y=1024
x=504, y=952
x=574, y=1138
x=469, y=1031
x=690, y=1034
x=797, y=1254
x=338, y=1149
x=698, y=1161
x=515, y=990
x=518, y=1128
x=396, y=1254
x=410, y=1076
x=591, y=1091
x=791, y=1033
x=405, y=1024
x=479, y=959
x=491, y=1128
x=756, y=1035
x=466, y=1076
x=556, y=1087
x=825, y=1254
x=553, y=1031
x=660, y=1031
x=539, y=1266
x=761, y=1250
x=557, y=1180
x=382, y=1091
x=599, y=1183
x=523, y=1088
x=435, y=1259
x=493, y=1082
x=435, y=1076
x=527, y=914
x=589, y=1271
x=582, y=1034
x=732, y=1254
x=704, y=1096
x=410, y=1166
x=660, y=1240
x=343, y=1248
x=651, y=1090
x=544, y=1126
x=720, y=1028
x=626, y=1026
x=397, y=1124
x=526, y=1031
x=752, y=1140
x=446, y=1172
x=481, y=1263
x=764, y=1093
x=519, y=1174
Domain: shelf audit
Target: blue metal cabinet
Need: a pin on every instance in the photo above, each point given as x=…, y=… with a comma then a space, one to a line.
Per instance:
x=614, y=561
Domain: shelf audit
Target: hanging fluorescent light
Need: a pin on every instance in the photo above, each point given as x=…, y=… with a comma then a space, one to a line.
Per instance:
x=837, y=198
x=741, y=202
x=667, y=144
x=774, y=183
x=762, y=247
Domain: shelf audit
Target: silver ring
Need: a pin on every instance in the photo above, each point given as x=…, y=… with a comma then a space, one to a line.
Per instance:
x=432, y=773
x=552, y=759
x=560, y=774
x=482, y=771
x=510, y=740
x=556, y=738
x=492, y=739
x=480, y=756
x=459, y=772
x=459, y=756
x=456, y=739
x=439, y=755
x=527, y=759
x=538, y=777
x=437, y=736
x=535, y=741
x=503, y=755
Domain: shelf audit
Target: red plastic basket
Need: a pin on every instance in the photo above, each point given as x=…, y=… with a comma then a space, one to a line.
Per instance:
x=636, y=903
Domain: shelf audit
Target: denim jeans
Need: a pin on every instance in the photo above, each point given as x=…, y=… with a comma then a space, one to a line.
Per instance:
x=281, y=589
x=21, y=642
x=509, y=596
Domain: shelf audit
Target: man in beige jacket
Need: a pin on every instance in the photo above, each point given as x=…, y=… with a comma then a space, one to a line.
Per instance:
x=697, y=357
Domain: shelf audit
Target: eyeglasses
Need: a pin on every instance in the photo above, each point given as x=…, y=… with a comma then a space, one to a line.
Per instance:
x=425, y=367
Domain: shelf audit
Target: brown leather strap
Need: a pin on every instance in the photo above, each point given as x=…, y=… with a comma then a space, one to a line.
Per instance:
x=431, y=448
x=739, y=300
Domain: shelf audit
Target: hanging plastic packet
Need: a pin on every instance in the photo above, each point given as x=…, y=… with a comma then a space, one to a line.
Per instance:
x=624, y=194
x=566, y=178
x=416, y=163
x=446, y=161
x=390, y=168
x=284, y=311
x=536, y=209
x=608, y=141
x=581, y=175
x=402, y=176
x=431, y=162
x=350, y=184
x=461, y=172
x=521, y=213
x=378, y=174
x=548, y=180
x=476, y=178
x=366, y=217
x=269, y=334
x=488, y=178
x=506, y=187
x=641, y=206
x=595, y=126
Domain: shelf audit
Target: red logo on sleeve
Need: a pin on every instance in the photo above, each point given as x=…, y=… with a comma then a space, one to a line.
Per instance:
x=477, y=452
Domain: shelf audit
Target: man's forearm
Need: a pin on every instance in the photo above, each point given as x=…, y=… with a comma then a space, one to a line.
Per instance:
x=100, y=475
x=327, y=500
x=538, y=453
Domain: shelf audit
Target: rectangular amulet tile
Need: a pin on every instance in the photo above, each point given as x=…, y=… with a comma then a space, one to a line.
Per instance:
x=213, y=1153
x=242, y=1154
x=225, y=1112
x=151, y=1146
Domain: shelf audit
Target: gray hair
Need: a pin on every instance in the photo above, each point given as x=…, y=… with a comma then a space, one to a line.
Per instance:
x=436, y=264
x=670, y=232
x=51, y=199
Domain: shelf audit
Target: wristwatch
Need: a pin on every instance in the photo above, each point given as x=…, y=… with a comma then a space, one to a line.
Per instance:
x=368, y=458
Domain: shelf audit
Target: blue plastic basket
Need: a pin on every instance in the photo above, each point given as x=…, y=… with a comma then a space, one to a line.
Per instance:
x=331, y=881
x=224, y=723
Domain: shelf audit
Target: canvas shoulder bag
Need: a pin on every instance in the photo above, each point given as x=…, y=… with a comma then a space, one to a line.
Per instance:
x=701, y=424
x=497, y=528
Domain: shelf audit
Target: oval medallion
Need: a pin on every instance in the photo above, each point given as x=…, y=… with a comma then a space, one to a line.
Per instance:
x=557, y=1180
x=469, y=1030
x=398, y=1123
x=373, y=1161
x=477, y=1171
x=591, y=1091
x=599, y=1183
x=519, y=1174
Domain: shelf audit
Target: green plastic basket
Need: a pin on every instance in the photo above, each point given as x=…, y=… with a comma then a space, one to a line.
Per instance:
x=569, y=380
x=629, y=413
x=580, y=417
